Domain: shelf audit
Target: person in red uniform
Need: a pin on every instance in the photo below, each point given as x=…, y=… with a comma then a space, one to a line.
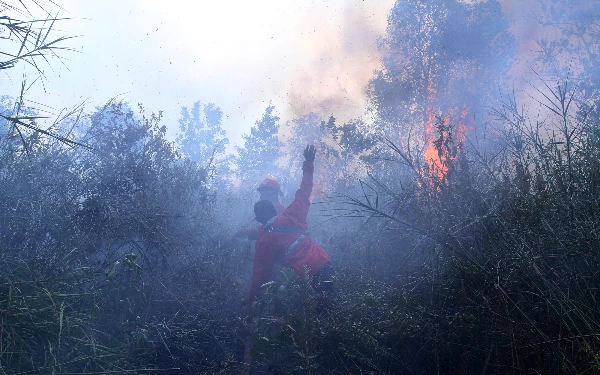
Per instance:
x=269, y=189
x=284, y=238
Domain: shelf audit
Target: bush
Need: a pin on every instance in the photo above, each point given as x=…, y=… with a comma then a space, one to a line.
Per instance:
x=507, y=247
x=108, y=256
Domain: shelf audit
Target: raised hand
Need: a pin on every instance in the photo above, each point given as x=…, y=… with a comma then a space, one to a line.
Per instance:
x=309, y=153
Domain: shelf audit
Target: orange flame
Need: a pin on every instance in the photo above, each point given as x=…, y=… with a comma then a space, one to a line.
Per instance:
x=430, y=153
x=438, y=157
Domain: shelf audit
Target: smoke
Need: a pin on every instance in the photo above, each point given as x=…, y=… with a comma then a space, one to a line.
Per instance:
x=548, y=51
x=343, y=50
x=527, y=32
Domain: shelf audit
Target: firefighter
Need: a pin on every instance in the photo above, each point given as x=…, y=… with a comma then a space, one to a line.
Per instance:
x=269, y=189
x=284, y=239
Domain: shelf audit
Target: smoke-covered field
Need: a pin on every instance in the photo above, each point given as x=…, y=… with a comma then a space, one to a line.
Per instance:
x=460, y=208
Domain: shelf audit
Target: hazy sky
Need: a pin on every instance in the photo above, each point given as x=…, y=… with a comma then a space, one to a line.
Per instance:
x=301, y=55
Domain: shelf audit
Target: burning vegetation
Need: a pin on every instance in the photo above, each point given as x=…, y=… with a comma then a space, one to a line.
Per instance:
x=462, y=218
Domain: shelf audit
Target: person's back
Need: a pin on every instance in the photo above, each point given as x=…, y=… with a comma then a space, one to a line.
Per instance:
x=284, y=239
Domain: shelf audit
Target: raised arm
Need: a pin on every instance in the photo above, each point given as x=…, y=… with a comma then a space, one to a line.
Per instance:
x=301, y=204
x=308, y=169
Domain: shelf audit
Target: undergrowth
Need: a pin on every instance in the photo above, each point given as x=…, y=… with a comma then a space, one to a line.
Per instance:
x=115, y=261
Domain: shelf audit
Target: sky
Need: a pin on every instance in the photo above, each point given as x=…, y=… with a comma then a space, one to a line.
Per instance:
x=300, y=56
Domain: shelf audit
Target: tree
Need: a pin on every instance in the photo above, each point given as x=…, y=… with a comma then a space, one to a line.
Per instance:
x=569, y=51
x=570, y=45
x=439, y=55
x=341, y=149
x=134, y=180
x=93, y=232
x=262, y=149
x=201, y=137
x=303, y=130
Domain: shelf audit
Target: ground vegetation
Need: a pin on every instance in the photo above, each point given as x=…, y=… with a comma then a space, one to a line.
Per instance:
x=460, y=247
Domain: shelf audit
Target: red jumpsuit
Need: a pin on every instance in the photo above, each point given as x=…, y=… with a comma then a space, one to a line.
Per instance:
x=274, y=246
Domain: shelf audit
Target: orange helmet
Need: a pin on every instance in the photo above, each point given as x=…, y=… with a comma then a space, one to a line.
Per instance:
x=269, y=183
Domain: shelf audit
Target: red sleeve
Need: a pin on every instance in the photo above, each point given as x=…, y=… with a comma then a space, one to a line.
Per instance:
x=264, y=260
x=301, y=204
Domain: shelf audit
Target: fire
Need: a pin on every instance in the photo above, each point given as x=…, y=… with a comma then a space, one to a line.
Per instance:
x=430, y=153
x=442, y=140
